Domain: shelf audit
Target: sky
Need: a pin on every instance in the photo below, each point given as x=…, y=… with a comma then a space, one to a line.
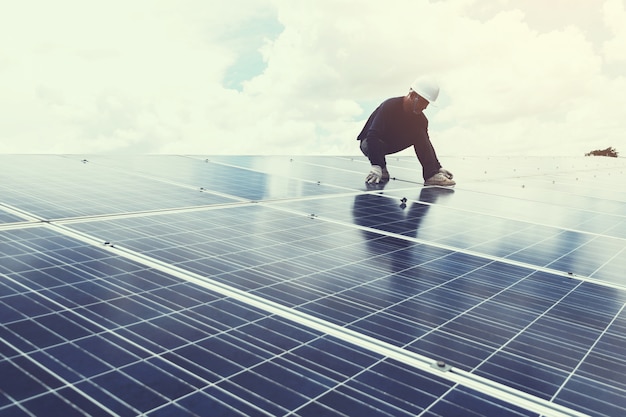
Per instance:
x=300, y=77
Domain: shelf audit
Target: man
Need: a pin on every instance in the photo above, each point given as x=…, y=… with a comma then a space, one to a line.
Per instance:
x=395, y=125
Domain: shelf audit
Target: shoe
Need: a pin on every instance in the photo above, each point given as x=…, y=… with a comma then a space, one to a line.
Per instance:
x=446, y=173
x=439, y=179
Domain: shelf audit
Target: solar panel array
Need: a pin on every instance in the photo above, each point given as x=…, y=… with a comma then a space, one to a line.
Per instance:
x=285, y=286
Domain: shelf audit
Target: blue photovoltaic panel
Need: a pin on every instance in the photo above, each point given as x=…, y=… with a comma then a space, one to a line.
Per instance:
x=9, y=218
x=571, y=251
x=53, y=187
x=240, y=285
x=132, y=340
x=236, y=180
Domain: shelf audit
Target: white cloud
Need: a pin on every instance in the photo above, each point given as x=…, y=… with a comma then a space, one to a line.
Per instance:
x=163, y=75
x=615, y=17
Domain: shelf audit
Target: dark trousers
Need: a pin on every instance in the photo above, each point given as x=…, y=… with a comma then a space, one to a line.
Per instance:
x=376, y=150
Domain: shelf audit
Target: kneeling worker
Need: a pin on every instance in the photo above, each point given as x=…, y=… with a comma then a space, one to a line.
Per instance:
x=395, y=125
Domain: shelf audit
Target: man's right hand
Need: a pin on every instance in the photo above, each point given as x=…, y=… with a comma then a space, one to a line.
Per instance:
x=375, y=175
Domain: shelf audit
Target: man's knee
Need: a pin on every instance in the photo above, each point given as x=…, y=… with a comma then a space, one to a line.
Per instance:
x=364, y=148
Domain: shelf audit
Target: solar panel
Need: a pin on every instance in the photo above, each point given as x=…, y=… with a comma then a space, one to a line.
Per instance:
x=243, y=285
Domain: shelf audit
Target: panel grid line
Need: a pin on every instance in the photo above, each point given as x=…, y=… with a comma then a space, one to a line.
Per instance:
x=467, y=251
x=589, y=350
x=410, y=358
x=276, y=286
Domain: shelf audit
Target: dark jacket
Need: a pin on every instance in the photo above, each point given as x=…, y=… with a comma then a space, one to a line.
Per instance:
x=398, y=129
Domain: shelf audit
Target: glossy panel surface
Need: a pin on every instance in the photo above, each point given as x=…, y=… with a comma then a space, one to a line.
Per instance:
x=241, y=285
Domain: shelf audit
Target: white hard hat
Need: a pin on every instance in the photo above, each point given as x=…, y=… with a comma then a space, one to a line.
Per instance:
x=426, y=88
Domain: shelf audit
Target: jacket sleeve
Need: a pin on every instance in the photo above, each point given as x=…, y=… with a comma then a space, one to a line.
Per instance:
x=376, y=124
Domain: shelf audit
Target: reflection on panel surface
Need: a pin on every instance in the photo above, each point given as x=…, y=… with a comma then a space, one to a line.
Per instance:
x=240, y=285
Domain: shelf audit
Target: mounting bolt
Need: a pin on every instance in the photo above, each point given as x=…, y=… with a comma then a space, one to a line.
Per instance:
x=441, y=365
